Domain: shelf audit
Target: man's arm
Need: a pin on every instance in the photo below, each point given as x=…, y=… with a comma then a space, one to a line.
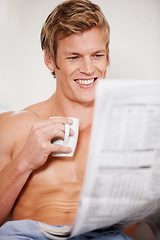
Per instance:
x=12, y=178
x=16, y=168
x=12, y=174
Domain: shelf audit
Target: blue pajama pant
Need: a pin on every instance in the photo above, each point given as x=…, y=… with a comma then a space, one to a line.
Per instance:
x=30, y=230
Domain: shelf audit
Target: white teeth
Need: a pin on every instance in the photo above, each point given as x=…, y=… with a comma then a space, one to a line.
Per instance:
x=85, y=82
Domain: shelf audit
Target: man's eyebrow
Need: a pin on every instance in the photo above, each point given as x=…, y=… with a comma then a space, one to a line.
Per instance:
x=72, y=53
x=78, y=53
x=100, y=51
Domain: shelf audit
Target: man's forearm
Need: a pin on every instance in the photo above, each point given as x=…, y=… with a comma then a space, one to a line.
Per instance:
x=12, y=179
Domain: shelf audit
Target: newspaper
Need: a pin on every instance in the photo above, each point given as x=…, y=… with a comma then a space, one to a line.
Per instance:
x=122, y=179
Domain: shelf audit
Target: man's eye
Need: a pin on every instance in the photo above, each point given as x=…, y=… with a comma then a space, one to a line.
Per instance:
x=98, y=55
x=73, y=57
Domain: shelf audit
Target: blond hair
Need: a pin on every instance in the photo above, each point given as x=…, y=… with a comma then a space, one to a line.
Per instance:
x=69, y=17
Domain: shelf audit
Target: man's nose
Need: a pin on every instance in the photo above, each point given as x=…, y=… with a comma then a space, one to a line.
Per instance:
x=87, y=66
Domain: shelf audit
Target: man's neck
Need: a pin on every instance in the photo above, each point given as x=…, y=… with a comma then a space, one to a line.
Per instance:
x=67, y=108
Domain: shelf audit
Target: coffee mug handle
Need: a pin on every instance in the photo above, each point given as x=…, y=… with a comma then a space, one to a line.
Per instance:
x=66, y=136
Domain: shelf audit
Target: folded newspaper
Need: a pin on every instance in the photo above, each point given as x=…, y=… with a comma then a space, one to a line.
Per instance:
x=122, y=180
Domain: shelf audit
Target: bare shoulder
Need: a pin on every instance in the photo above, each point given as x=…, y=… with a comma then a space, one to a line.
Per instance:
x=16, y=123
x=12, y=120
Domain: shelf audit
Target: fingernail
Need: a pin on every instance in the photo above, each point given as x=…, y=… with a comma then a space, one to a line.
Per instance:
x=69, y=121
x=69, y=149
x=71, y=132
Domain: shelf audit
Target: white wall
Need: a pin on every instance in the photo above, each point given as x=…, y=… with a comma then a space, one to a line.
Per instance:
x=24, y=79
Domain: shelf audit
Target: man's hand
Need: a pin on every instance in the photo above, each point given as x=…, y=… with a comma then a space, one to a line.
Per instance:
x=38, y=145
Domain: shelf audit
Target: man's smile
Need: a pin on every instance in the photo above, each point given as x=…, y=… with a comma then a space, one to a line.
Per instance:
x=86, y=81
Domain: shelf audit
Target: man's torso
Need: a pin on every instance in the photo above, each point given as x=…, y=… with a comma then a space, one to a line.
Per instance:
x=52, y=192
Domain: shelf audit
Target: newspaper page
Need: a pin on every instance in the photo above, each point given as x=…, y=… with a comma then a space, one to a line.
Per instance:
x=122, y=181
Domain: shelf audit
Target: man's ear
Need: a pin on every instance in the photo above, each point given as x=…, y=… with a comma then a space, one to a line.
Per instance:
x=108, y=57
x=48, y=61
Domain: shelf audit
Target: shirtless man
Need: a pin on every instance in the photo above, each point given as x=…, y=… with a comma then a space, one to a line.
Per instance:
x=34, y=184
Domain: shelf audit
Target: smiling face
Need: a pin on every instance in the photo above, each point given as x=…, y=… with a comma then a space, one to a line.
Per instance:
x=81, y=60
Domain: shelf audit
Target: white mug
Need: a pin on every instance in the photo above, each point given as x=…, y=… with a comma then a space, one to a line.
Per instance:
x=69, y=141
